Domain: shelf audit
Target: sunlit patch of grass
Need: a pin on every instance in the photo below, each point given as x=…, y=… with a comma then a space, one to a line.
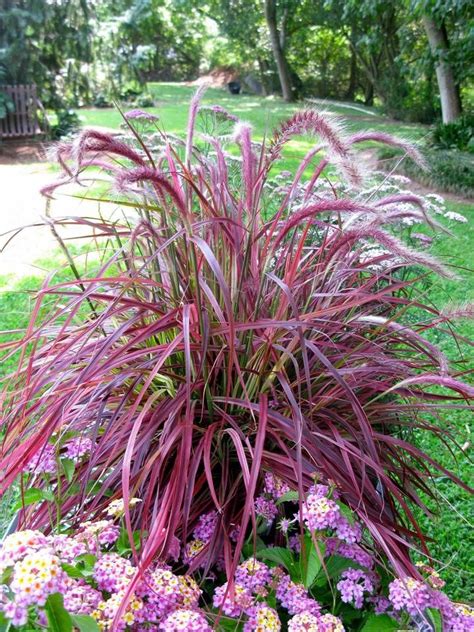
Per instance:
x=452, y=524
x=264, y=113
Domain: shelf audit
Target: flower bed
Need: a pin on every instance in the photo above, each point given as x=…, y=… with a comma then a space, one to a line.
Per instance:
x=311, y=569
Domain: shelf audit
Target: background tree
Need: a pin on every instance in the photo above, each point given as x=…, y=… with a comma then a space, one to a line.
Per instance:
x=451, y=107
x=243, y=42
x=277, y=33
x=32, y=52
x=449, y=28
x=413, y=58
x=143, y=40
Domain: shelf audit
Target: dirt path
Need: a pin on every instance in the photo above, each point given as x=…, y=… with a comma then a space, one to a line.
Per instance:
x=23, y=172
x=23, y=205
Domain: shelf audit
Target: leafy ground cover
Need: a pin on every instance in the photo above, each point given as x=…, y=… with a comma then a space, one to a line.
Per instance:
x=452, y=525
x=449, y=170
x=451, y=531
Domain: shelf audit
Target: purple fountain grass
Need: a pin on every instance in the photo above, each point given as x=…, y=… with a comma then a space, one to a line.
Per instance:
x=223, y=345
x=381, y=137
x=328, y=130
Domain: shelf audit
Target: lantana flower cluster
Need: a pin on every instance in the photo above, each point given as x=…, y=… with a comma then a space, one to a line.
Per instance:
x=47, y=460
x=33, y=565
x=267, y=593
x=266, y=503
x=202, y=535
x=256, y=586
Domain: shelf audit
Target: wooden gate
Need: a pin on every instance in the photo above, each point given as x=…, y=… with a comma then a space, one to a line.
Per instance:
x=23, y=121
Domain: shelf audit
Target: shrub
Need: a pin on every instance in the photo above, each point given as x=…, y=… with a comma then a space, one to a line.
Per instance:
x=448, y=170
x=456, y=135
x=144, y=101
x=67, y=122
x=130, y=92
x=238, y=327
x=6, y=105
x=101, y=101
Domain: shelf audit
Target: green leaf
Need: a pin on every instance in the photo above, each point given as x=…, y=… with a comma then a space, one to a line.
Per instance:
x=69, y=466
x=33, y=495
x=290, y=496
x=335, y=564
x=86, y=563
x=380, y=623
x=228, y=625
x=73, y=571
x=281, y=556
x=333, y=567
x=277, y=554
x=250, y=547
x=435, y=618
x=123, y=543
x=5, y=624
x=59, y=619
x=350, y=615
x=87, y=559
x=74, y=488
x=313, y=561
x=5, y=576
x=93, y=486
x=346, y=512
x=137, y=538
x=85, y=623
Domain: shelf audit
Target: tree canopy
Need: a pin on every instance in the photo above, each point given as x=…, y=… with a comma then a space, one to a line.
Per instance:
x=413, y=57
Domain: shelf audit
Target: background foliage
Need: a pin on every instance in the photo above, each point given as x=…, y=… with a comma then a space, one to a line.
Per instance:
x=367, y=50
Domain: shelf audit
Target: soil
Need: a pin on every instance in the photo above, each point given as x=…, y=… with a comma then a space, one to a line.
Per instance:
x=22, y=152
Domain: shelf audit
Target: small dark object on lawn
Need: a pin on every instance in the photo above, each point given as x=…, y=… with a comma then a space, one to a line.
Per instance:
x=234, y=87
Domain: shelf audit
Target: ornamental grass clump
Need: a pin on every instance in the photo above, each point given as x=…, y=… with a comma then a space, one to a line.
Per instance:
x=242, y=322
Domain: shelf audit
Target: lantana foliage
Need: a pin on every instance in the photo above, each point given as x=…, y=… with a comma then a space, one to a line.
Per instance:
x=246, y=330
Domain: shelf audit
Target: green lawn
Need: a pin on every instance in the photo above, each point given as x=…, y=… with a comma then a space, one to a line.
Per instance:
x=452, y=528
x=264, y=114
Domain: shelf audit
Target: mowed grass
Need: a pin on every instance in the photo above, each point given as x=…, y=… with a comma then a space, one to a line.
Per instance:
x=451, y=526
x=264, y=114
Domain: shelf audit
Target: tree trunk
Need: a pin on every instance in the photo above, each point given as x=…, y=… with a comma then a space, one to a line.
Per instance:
x=352, y=87
x=448, y=90
x=262, y=71
x=278, y=52
x=369, y=94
